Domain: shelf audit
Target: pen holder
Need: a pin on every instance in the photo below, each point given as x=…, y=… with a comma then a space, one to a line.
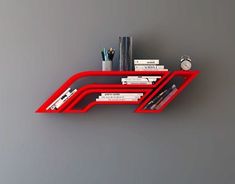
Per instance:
x=106, y=65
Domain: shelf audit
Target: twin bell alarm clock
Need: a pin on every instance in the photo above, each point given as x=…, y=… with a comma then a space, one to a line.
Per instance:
x=186, y=63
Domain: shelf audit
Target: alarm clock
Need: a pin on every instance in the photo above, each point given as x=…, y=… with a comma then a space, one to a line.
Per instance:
x=186, y=62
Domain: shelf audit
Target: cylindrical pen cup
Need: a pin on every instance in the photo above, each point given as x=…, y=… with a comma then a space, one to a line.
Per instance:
x=106, y=65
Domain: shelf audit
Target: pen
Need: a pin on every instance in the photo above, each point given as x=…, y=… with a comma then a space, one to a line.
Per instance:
x=102, y=55
x=105, y=54
x=111, y=53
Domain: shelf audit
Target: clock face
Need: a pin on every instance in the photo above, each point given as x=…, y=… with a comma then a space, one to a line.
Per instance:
x=186, y=65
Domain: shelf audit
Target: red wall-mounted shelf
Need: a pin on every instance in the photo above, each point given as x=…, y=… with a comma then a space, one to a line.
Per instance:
x=149, y=91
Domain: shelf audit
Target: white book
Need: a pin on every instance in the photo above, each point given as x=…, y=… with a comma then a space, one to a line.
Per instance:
x=111, y=100
x=138, y=79
x=149, y=66
x=137, y=83
x=53, y=103
x=146, y=61
x=120, y=94
x=119, y=97
x=62, y=100
x=134, y=79
x=152, y=69
x=148, y=77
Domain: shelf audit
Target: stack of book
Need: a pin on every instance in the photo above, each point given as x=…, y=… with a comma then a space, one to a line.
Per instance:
x=140, y=80
x=119, y=97
x=61, y=99
x=158, y=101
x=148, y=65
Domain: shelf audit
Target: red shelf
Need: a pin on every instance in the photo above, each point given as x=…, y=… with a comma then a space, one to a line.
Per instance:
x=149, y=90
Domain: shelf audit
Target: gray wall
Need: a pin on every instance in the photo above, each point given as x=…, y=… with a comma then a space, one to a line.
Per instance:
x=43, y=42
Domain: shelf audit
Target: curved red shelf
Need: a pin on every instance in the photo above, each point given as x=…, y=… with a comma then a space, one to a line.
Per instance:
x=149, y=91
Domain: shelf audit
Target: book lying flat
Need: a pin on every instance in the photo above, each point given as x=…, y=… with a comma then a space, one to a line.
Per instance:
x=111, y=100
x=119, y=97
x=137, y=83
x=149, y=66
x=151, y=69
x=144, y=77
x=146, y=61
x=139, y=79
x=121, y=94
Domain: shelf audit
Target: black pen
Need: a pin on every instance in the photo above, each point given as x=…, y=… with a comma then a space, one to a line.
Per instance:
x=102, y=55
x=111, y=53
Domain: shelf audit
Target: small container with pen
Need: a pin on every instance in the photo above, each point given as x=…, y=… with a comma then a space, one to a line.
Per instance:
x=107, y=59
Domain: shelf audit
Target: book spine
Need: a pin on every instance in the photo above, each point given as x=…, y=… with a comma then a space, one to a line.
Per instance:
x=120, y=94
x=148, y=77
x=146, y=61
x=151, y=69
x=137, y=83
x=139, y=80
x=119, y=97
x=120, y=100
x=149, y=66
x=134, y=79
